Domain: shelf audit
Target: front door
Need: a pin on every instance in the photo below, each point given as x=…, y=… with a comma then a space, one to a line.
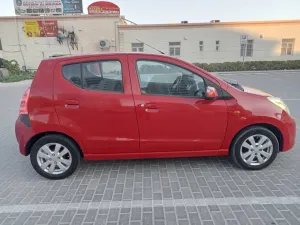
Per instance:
x=93, y=100
x=171, y=110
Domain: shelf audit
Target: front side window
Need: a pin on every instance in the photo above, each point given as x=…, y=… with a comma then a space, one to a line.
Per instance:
x=174, y=48
x=287, y=46
x=160, y=78
x=97, y=75
x=137, y=47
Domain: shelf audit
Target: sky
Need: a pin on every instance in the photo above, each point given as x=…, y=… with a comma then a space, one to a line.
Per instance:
x=175, y=11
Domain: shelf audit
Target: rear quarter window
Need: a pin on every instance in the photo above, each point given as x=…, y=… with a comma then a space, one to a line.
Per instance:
x=73, y=74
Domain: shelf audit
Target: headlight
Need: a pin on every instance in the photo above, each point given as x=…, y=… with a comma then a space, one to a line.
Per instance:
x=279, y=103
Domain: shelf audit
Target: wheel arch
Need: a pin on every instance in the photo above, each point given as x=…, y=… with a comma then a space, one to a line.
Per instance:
x=270, y=127
x=36, y=137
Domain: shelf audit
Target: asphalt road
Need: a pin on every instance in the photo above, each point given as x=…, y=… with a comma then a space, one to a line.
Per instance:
x=207, y=190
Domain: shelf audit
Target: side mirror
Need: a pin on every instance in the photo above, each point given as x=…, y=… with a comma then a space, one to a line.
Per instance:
x=211, y=93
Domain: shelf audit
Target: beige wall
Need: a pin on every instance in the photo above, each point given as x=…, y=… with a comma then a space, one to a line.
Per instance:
x=267, y=47
x=89, y=30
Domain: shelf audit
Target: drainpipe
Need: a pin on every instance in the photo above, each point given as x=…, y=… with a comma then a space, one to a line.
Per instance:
x=116, y=37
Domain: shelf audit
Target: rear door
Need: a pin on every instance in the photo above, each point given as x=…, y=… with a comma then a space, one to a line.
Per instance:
x=172, y=112
x=93, y=100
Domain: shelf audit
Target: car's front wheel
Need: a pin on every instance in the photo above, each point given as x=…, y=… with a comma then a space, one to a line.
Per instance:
x=55, y=156
x=254, y=148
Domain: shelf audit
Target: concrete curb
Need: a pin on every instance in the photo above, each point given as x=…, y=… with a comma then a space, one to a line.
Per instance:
x=260, y=72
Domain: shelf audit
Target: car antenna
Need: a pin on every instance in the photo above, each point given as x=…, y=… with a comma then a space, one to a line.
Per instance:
x=151, y=47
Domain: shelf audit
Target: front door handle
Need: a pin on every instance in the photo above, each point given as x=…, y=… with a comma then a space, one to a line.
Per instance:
x=72, y=104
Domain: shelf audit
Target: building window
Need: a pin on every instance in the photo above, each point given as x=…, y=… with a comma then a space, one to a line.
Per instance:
x=137, y=47
x=201, y=46
x=287, y=46
x=174, y=48
x=217, y=45
x=247, y=50
x=1, y=45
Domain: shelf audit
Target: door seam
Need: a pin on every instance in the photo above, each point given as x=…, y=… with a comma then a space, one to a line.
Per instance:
x=134, y=102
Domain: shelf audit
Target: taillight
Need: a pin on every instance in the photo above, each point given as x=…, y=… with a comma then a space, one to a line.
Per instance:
x=23, y=104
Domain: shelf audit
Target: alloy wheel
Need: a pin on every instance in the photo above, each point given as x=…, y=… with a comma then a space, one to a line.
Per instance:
x=54, y=158
x=256, y=150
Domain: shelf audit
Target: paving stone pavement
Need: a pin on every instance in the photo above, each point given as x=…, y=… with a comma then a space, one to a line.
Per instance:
x=200, y=191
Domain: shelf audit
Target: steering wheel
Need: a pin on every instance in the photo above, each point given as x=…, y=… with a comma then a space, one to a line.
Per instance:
x=197, y=93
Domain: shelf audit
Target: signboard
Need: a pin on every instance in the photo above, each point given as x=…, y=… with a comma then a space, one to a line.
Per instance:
x=103, y=7
x=51, y=7
x=41, y=28
x=244, y=39
x=72, y=6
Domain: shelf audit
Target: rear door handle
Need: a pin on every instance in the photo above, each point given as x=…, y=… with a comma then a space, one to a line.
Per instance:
x=72, y=104
x=150, y=107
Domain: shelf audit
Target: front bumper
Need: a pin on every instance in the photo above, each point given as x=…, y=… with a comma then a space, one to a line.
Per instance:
x=288, y=132
x=23, y=132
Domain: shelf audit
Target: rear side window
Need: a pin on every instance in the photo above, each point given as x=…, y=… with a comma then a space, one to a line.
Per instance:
x=97, y=75
x=73, y=74
x=103, y=76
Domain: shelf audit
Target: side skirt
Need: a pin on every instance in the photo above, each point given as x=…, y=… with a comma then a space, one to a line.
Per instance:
x=155, y=155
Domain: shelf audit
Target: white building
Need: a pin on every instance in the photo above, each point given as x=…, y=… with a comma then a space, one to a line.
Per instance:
x=217, y=42
x=197, y=42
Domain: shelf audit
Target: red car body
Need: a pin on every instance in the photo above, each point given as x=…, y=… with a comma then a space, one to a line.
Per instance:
x=131, y=125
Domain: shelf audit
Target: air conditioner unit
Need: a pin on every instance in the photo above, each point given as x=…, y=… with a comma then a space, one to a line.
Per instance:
x=104, y=44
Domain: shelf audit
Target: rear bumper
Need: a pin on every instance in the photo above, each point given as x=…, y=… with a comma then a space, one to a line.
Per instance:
x=24, y=133
x=288, y=132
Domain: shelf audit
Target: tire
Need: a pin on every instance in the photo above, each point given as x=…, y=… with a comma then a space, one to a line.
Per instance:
x=67, y=156
x=263, y=157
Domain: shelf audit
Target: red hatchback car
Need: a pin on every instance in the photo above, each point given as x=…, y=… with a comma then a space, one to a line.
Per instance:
x=129, y=105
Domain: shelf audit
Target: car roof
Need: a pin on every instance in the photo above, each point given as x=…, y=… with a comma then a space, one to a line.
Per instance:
x=70, y=57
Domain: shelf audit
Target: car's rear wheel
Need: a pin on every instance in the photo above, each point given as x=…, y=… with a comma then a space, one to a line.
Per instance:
x=254, y=148
x=55, y=156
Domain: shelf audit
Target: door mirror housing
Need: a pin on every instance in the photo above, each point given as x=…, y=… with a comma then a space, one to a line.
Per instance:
x=211, y=93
